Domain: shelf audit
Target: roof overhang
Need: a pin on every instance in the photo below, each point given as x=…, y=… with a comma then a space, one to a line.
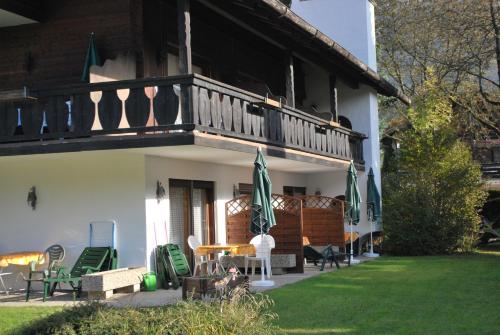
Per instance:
x=18, y=12
x=277, y=22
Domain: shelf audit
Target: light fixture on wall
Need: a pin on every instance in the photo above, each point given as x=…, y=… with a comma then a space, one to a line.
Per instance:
x=160, y=192
x=32, y=198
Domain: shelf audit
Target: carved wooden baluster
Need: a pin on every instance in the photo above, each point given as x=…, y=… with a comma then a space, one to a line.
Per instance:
x=227, y=112
x=237, y=115
x=348, y=148
x=247, y=118
x=307, y=137
x=44, y=129
x=111, y=109
x=216, y=110
x=204, y=107
x=272, y=125
x=300, y=133
x=57, y=114
x=96, y=98
x=138, y=108
x=150, y=93
x=256, y=123
x=334, y=142
x=70, y=126
x=195, y=100
x=312, y=135
x=286, y=127
x=18, y=130
x=323, y=141
x=83, y=111
x=166, y=105
x=279, y=128
x=318, y=140
x=264, y=123
x=329, y=141
x=123, y=95
x=291, y=129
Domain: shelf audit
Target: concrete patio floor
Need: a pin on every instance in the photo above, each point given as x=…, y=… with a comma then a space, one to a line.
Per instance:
x=150, y=299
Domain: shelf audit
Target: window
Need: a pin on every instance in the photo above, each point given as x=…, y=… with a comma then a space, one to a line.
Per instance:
x=244, y=189
x=294, y=191
x=345, y=122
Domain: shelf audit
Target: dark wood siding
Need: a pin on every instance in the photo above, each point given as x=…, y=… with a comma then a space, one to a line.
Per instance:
x=53, y=52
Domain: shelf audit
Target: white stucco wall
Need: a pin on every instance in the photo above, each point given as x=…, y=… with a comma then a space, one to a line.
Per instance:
x=351, y=23
x=361, y=108
x=73, y=189
x=224, y=178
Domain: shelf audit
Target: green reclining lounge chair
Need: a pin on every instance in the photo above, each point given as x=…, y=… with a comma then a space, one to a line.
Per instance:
x=327, y=255
x=92, y=259
x=172, y=265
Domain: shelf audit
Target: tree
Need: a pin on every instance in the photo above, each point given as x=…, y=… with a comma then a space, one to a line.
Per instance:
x=459, y=42
x=433, y=191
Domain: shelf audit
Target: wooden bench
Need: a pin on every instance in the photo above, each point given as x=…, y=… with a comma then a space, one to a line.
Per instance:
x=102, y=285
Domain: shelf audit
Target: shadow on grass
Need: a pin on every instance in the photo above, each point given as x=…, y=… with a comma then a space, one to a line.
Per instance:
x=63, y=319
x=301, y=331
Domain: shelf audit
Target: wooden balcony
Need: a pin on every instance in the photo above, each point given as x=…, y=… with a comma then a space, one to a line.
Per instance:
x=166, y=107
x=491, y=170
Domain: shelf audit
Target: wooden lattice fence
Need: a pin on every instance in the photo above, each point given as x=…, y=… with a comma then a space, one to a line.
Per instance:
x=287, y=233
x=323, y=220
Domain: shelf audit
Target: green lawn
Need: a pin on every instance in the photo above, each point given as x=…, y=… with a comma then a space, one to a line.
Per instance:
x=410, y=295
x=12, y=317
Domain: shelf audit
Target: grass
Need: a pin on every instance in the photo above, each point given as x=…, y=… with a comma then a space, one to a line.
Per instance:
x=407, y=295
x=13, y=317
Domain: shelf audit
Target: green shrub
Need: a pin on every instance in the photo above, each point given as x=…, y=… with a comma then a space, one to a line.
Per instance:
x=244, y=315
x=431, y=187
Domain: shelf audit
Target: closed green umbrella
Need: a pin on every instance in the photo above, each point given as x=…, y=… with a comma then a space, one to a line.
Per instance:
x=352, y=201
x=92, y=58
x=262, y=212
x=262, y=218
x=352, y=195
x=372, y=198
x=372, y=207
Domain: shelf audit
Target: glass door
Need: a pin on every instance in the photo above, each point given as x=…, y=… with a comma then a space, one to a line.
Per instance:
x=191, y=212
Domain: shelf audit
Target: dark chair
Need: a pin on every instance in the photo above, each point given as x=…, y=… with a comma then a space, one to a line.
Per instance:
x=327, y=255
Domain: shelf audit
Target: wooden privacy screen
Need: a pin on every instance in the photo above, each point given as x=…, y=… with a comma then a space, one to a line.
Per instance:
x=323, y=220
x=288, y=230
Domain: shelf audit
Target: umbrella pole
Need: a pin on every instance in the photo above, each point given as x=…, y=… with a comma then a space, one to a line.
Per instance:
x=262, y=282
x=353, y=261
x=371, y=237
x=371, y=253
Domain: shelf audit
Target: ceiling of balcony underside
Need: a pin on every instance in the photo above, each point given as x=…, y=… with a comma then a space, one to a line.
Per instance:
x=234, y=158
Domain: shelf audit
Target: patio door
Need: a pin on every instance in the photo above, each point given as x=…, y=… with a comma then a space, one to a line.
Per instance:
x=191, y=212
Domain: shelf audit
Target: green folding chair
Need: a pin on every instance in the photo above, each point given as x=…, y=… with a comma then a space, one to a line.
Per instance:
x=92, y=259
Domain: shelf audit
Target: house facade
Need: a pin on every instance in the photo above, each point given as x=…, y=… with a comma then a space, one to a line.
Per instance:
x=166, y=130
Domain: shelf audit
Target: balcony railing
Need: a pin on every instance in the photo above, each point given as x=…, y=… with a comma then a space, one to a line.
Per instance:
x=182, y=103
x=491, y=170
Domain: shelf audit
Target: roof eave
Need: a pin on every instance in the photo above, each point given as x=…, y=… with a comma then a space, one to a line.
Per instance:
x=373, y=78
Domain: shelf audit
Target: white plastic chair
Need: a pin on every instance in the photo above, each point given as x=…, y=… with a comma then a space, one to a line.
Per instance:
x=194, y=243
x=2, y=282
x=263, y=246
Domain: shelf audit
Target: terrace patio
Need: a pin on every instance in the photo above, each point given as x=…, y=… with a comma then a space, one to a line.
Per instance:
x=151, y=299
